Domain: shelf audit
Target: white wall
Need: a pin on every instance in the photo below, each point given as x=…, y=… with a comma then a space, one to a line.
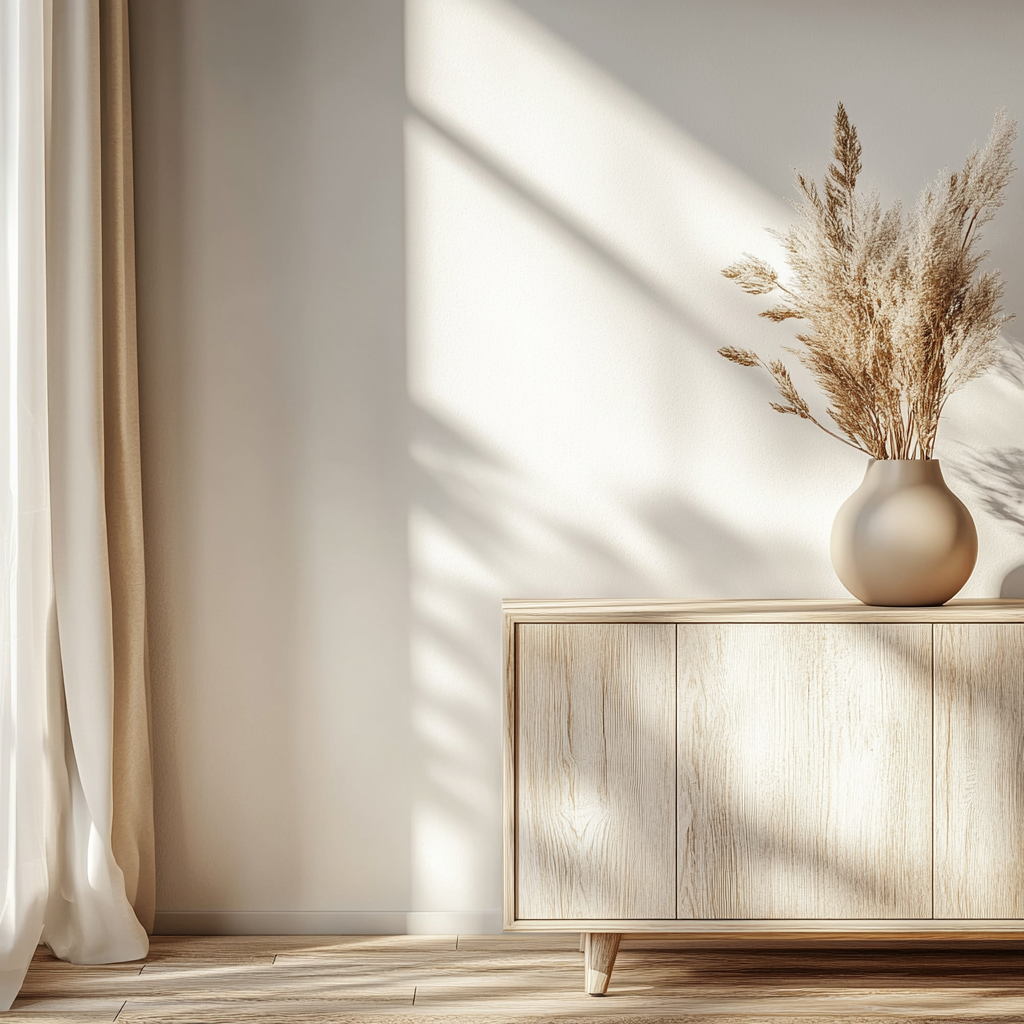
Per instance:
x=428, y=309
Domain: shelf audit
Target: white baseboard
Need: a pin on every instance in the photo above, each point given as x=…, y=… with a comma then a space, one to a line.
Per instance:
x=324, y=922
x=419, y=922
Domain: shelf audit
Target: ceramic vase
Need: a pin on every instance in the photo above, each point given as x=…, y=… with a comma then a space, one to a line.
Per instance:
x=903, y=537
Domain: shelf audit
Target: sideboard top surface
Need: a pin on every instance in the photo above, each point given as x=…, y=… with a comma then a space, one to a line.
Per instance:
x=605, y=610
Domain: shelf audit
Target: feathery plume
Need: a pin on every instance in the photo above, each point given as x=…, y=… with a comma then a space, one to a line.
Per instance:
x=898, y=314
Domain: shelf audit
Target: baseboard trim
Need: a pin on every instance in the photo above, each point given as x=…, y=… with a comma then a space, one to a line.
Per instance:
x=324, y=922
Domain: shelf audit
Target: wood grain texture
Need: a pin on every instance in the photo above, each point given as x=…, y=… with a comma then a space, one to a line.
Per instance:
x=508, y=775
x=651, y=984
x=971, y=929
x=979, y=771
x=595, y=744
x=600, y=610
x=804, y=771
x=600, y=950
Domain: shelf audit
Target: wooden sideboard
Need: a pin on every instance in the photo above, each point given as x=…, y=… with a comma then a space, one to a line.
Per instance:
x=762, y=768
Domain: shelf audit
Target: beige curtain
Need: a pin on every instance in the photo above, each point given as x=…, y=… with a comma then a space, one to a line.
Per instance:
x=76, y=820
x=132, y=762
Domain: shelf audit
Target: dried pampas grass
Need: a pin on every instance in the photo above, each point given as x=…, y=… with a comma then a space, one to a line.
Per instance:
x=898, y=315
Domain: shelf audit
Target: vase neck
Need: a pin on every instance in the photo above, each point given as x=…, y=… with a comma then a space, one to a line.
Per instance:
x=903, y=472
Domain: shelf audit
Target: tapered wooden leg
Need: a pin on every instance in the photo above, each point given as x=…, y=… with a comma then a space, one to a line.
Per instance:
x=601, y=950
x=583, y=942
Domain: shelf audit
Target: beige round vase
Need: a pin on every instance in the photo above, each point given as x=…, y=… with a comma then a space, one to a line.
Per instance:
x=903, y=537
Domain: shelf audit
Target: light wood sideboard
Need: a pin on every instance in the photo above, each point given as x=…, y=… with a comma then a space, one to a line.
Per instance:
x=763, y=769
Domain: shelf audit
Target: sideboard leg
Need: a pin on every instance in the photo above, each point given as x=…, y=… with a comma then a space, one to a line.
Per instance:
x=601, y=949
x=583, y=942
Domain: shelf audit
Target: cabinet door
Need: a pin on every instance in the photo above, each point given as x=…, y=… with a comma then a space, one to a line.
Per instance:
x=595, y=746
x=805, y=771
x=979, y=771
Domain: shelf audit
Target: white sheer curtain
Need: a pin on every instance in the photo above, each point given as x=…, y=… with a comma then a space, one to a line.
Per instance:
x=71, y=595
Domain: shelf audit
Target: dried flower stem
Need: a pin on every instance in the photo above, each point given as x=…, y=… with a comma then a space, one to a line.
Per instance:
x=899, y=317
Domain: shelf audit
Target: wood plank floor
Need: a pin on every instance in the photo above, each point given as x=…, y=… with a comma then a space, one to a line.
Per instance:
x=516, y=978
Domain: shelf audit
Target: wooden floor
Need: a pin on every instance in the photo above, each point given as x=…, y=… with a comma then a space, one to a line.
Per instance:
x=393, y=980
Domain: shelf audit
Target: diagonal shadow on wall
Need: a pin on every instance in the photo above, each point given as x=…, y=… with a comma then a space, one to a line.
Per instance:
x=997, y=474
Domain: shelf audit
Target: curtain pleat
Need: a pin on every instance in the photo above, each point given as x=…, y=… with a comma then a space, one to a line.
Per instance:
x=29, y=670
x=133, y=840
x=76, y=847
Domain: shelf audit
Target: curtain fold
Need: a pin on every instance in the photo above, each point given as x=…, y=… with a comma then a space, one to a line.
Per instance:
x=76, y=846
x=30, y=670
x=133, y=838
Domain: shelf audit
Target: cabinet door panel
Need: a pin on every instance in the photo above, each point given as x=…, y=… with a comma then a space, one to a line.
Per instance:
x=595, y=725
x=804, y=771
x=979, y=771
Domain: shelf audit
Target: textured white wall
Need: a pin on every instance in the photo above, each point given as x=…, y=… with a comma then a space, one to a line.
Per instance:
x=429, y=302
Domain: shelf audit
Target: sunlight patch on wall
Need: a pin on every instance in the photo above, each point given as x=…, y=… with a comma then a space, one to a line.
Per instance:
x=574, y=431
x=663, y=204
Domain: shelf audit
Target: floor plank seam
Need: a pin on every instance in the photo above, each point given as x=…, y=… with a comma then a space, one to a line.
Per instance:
x=519, y=980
